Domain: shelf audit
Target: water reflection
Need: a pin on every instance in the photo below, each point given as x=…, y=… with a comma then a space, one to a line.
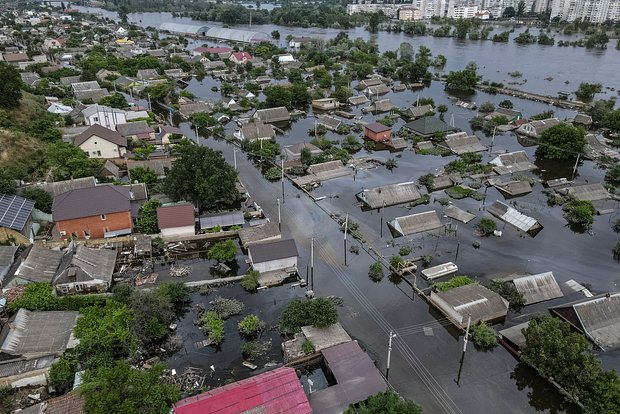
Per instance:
x=541, y=395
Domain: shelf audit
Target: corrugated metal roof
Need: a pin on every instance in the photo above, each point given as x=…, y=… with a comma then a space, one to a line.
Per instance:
x=515, y=334
x=236, y=35
x=265, y=252
x=461, y=143
x=538, y=288
x=90, y=264
x=25, y=365
x=278, y=391
x=513, y=217
x=183, y=28
x=234, y=218
x=40, y=265
x=513, y=188
x=269, y=115
x=456, y=213
x=257, y=234
x=389, y=195
x=14, y=211
x=587, y=192
x=415, y=223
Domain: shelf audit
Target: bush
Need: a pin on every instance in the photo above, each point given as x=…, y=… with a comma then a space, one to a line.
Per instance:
x=397, y=263
x=483, y=336
x=405, y=250
x=486, y=226
x=273, y=174
x=225, y=308
x=39, y=296
x=375, y=271
x=318, y=312
x=486, y=107
x=453, y=283
x=579, y=212
x=224, y=251
x=62, y=373
x=307, y=347
x=250, y=325
x=426, y=260
x=509, y=292
x=250, y=281
x=213, y=325
x=616, y=251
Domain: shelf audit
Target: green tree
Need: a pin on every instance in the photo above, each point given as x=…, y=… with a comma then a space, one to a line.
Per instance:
x=143, y=175
x=561, y=142
x=10, y=87
x=486, y=226
x=520, y=8
x=147, y=222
x=223, y=252
x=318, y=312
x=43, y=200
x=612, y=120
x=250, y=325
x=454, y=282
x=119, y=388
x=7, y=183
x=275, y=35
x=159, y=92
x=202, y=119
x=68, y=161
x=373, y=22
x=116, y=100
x=387, y=402
x=579, y=212
x=250, y=280
x=483, y=336
x=62, y=373
x=375, y=271
x=201, y=175
x=506, y=103
x=462, y=81
x=587, y=90
x=342, y=93
x=509, y=292
x=509, y=12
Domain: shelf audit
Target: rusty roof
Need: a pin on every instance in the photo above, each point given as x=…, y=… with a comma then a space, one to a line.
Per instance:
x=175, y=215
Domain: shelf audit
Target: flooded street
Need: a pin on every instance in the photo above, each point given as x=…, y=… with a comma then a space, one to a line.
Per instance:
x=426, y=364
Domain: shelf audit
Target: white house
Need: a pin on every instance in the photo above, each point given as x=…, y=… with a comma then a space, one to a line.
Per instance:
x=100, y=142
x=279, y=255
x=104, y=115
x=536, y=128
x=121, y=32
x=176, y=220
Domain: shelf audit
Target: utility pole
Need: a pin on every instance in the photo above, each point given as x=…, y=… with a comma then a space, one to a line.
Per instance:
x=346, y=228
x=196, y=129
x=148, y=96
x=389, y=356
x=492, y=140
x=458, y=378
x=575, y=167
x=282, y=178
x=381, y=223
x=312, y=265
x=279, y=217
x=235, y=157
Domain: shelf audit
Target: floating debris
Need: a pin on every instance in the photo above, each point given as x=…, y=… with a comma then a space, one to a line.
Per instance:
x=180, y=271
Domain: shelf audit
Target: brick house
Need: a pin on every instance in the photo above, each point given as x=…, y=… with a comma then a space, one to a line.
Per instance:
x=97, y=212
x=377, y=132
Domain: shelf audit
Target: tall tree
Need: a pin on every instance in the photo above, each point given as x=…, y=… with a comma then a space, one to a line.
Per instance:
x=201, y=175
x=561, y=142
x=385, y=402
x=10, y=87
x=67, y=161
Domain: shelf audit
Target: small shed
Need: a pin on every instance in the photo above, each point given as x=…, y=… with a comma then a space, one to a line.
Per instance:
x=414, y=223
x=415, y=112
x=233, y=218
x=513, y=338
x=358, y=100
x=475, y=300
x=537, y=288
x=329, y=122
x=389, y=195
x=176, y=220
x=274, y=256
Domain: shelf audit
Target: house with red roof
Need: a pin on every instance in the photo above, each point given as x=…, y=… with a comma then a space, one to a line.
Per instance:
x=278, y=391
x=240, y=58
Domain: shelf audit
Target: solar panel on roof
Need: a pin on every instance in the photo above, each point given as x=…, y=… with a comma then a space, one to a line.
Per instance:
x=14, y=211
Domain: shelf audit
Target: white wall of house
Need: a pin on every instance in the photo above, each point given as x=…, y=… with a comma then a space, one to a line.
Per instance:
x=178, y=231
x=97, y=147
x=106, y=118
x=272, y=265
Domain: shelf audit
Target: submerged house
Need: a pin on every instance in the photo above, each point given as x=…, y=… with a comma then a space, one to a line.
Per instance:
x=473, y=300
x=273, y=115
x=389, y=195
x=414, y=223
x=278, y=255
x=598, y=318
x=536, y=288
x=513, y=217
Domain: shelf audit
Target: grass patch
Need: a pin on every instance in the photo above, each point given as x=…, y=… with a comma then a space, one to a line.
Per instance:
x=455, y=282
x=458, y=192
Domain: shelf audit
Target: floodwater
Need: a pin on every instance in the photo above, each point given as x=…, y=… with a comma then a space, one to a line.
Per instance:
x=567, y=66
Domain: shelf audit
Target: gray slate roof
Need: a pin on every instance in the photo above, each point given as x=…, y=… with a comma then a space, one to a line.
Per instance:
x=589, y=192
x=513, y=217
x=389, y=195
x=14, y=211
x=538, y=288
x=258, y=234
x=281, y=249
x=88, y=264
x=415, y=223
x=40, y=265
x=461, y=143
x=60, y=187
x=7, y=256
x=87, y=202
x=597, y=317
x=134, y=128
x=234, y=218
x=40, y=333
x=279, y=114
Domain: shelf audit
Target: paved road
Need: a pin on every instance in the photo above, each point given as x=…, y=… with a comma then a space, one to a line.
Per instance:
x=425, y=365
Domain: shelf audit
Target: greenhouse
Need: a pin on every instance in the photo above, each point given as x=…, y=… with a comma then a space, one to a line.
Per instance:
x=219, y=33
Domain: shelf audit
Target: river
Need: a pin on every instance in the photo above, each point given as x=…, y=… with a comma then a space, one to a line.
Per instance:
x=566, y=66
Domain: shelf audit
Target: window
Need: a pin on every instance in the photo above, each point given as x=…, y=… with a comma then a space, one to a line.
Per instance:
x=79, y=287
x=103, y=217
x=87, y=153
x=86, y=234
x=95, y=142
x=95, y=119
x=64, y=289
x=74, y=235
x=63, y=233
